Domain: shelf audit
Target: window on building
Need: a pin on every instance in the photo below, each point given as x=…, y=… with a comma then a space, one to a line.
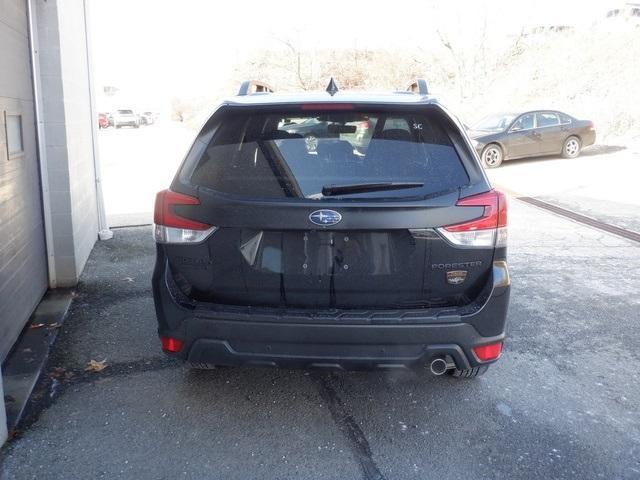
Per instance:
x=13, y=125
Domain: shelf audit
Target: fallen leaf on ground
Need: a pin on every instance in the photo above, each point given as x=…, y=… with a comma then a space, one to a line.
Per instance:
x=96, y=366
x=57, y=372
x=36, y=325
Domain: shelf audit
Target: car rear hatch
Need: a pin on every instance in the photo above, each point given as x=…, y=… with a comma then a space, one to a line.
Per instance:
x=260, y=217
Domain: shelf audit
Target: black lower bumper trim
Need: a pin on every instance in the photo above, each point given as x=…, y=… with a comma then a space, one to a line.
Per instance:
x=219, y=352
x=348, y=347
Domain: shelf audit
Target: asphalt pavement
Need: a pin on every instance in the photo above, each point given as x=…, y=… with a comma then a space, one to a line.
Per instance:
x=136, y=163
x=562, y=402
x=602, y=183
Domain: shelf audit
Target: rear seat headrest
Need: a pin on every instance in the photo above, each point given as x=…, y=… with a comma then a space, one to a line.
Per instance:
x=396, y=134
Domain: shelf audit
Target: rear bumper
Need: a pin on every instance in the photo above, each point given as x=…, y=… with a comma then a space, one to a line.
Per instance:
x=258, y=337
x=588, y=138
x=347, y=347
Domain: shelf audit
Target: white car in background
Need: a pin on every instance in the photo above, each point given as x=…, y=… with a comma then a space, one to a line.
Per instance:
x=146, y=118
x=125, y=118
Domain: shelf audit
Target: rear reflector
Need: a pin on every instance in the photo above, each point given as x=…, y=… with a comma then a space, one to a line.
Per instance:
x=488, y=230
x=171, y=227
x=171, y=345
x=488, y=352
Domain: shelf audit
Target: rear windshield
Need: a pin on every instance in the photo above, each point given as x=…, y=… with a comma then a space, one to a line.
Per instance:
x=322, y=155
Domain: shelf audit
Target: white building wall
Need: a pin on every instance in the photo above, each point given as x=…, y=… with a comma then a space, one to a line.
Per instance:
x=79, y=131
x=53, y=176
x=68, y=131
x=23, y=265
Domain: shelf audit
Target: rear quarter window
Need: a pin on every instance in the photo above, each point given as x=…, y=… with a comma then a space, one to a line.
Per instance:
x=289, y=155
x=564, y=119
x=546, y=119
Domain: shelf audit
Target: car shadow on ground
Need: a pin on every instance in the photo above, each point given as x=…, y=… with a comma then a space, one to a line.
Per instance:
x=601, y=150
x=591, y=151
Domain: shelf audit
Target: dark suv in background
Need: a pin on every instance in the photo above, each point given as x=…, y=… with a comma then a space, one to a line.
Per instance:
x=382, y=252
x=507, y=136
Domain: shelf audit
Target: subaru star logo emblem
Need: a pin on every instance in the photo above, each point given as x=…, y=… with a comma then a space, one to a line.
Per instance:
x=325, y=217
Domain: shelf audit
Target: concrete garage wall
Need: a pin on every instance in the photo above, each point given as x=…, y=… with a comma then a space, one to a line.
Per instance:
x=68, y=131
x=23, y=267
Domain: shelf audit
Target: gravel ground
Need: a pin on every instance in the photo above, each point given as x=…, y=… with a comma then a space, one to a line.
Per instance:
x=561, y=403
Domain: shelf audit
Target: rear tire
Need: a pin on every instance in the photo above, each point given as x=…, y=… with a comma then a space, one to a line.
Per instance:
x=571, y=147
x=492, y=156
x=469, y=372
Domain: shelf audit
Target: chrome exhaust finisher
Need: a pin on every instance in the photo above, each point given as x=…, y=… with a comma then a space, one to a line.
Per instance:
x=439, y=366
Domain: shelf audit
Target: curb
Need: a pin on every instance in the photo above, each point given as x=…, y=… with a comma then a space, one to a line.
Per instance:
x=28, y=358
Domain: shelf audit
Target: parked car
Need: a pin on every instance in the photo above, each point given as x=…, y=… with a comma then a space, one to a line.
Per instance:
x=507, y=136
x=146, y=118
x=125, y=118
x=269, y=254
x=103, y=121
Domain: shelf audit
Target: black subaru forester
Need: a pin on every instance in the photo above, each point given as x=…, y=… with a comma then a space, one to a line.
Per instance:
x=378, y=243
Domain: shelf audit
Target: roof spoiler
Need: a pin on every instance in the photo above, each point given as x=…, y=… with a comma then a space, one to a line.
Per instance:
x=250, y=87
x=419, y=86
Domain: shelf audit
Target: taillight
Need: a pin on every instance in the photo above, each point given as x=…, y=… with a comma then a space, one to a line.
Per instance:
x=488, y=230
x=488, y=352
x=172, y=228
x=171, y=345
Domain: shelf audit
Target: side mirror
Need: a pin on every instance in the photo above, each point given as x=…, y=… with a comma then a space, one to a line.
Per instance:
x=516, y=128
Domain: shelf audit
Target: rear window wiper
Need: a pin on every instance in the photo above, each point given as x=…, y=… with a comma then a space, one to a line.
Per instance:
x=331, y=190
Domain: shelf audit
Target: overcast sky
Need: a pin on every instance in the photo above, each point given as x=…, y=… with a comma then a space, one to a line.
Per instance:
x=161, y=48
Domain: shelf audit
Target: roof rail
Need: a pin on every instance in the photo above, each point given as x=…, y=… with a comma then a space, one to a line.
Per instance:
x=419, y=86
x=249, y=87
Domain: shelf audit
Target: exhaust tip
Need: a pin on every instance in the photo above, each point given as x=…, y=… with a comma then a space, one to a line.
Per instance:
x=438, y=366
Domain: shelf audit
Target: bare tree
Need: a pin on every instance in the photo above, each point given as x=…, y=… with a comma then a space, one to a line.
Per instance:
x=296, y=52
